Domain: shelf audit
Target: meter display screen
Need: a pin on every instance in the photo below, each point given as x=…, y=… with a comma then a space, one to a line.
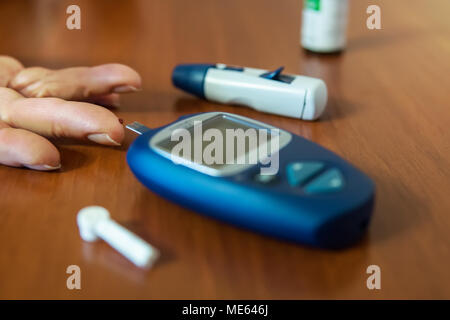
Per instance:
x=230, y=142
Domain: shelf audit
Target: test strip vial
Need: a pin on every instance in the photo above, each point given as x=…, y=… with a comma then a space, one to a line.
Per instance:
x=324, y=25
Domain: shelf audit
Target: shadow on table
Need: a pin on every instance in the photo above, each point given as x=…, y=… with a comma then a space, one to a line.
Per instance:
x=337, y=108
x=397, y=209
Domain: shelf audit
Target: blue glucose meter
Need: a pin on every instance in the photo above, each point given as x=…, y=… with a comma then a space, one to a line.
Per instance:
x=313, y=196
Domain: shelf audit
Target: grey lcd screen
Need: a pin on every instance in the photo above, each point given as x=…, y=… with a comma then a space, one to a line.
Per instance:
x=222, y=123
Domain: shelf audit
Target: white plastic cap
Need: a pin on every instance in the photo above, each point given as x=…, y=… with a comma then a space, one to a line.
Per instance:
x=88, y=218
x=316, y=99
x=94, y=222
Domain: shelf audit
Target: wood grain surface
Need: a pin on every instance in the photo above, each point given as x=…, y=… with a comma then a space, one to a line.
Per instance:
x=388, y=113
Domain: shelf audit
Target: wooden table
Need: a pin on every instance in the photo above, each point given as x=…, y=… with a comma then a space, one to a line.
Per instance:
x=388, y=113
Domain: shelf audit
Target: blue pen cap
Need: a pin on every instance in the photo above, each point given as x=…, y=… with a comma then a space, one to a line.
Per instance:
x=191, y=77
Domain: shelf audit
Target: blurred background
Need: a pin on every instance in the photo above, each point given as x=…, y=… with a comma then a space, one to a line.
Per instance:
x=388, y=113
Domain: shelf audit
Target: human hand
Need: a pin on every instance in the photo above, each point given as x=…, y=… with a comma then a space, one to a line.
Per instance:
x=33, y=106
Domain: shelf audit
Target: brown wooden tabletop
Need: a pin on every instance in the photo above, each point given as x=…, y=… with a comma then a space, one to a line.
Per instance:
x=388, y=113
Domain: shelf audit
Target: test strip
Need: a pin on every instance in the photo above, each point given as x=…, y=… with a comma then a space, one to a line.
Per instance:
x=137, y=127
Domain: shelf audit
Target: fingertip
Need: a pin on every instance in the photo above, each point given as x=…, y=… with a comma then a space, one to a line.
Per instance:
x=19, y=147
x=41, y=154
x=109, y=131
x=116, y=132
x=10, y=63
x=119, y=75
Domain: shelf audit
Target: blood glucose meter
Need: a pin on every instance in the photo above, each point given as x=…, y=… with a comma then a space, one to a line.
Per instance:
x=274, y=92
x=313, y=196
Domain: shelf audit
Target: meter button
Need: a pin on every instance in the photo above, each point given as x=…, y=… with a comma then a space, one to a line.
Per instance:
x=298, y=172
x=265, y=178
x=330, y=181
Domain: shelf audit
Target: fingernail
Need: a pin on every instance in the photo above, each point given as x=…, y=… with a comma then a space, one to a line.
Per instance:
x=19, y=79
x=36, y=90
x=124, y=89
x=102, y=138
x=43, y=167
x=115, y=104
x=33, y=86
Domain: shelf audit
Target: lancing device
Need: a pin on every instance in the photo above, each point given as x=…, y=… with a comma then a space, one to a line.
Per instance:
x=288, y=95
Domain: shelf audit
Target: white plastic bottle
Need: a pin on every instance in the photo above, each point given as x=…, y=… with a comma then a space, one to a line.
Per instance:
x=324, y=25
